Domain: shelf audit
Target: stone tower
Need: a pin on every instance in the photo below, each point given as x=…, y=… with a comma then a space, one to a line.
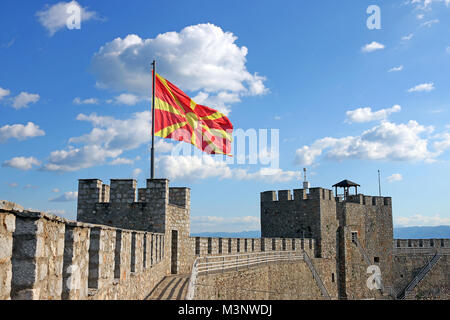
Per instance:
x=156, y=208
x=355, y=230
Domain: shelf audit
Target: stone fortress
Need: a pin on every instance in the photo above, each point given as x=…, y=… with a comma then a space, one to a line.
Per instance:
x=131, y=243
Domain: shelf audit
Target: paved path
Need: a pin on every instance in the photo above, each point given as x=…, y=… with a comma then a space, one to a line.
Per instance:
x=171, y=288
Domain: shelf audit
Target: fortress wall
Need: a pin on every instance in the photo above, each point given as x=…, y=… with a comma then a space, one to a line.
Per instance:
x=7, y=227
x=46, y=257
x=207, y=246
x=274, y=281
x=411, y=255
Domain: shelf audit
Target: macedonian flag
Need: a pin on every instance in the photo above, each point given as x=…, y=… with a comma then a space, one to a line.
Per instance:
x=178, y=117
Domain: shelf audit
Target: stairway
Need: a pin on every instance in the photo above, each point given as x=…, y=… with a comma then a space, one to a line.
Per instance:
x=407, y=292
x=170, y=288
x=316, y=276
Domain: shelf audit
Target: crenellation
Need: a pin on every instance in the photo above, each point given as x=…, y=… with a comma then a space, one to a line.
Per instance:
x=268, y=196
x=123, y=191
x=284, y=195
x=300, y=194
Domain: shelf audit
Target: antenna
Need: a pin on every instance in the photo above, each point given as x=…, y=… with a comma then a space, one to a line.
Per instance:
x=305, y=182
x=379, y=183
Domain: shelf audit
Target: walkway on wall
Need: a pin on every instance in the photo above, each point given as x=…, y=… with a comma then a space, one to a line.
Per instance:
x=170, y=288
x=405, y=293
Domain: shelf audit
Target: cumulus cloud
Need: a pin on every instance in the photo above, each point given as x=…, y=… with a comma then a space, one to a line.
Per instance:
x=20, y=132
x=395, y=177
x=396, y=69
x=386, y=141
x=24, y=99
x=74, y=159
x=21, y=163
x=366, y=114
x=424, y=87
x=373, y=46
x=127, y=99
x=108, y=139
x=66, y=197
x=200, y=58
x=191, y=168
x=4, y=93
x=80, y=101
x=54, y=18
x=420, y=220
x=224, y=224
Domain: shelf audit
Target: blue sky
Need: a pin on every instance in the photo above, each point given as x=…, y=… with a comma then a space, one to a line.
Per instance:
x=347, y=100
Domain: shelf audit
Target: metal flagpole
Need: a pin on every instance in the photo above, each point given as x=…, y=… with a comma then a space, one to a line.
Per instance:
x=379, y=183
x=152, y=163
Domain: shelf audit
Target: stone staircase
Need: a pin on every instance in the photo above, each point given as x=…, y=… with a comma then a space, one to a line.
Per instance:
x=407, y=293
x=171, y=288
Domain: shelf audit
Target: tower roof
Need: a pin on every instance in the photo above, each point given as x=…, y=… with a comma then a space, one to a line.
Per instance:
x=346, y=183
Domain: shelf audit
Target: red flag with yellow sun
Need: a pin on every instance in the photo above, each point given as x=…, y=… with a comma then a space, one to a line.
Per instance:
x=179, y=118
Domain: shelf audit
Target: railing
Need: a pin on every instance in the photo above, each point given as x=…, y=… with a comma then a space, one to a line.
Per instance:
x=192, y=281
x=422, y=273
x=316, y=275
x=362, y=251
x=213, y=264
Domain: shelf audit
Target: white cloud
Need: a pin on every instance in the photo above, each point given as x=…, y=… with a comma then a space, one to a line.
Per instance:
x=408, y=37
x=191, y=168
x=74, y=159
x=198, y=58
x=396, y=69
x=66, y=197
x=127, y=99
x=120, y=161
x=13, y=184
x=424, y=87
x=21, y=163
x=4, y=93
x=56, y=190
x=395, y=177
x=429, y=23
x=448, y=48
x=366, y=115
x=386, y=141
x=420, y=16
x=79, y=101
x=54, y=18
x=442, y=142
x=420, y=220
x=20, y=132
x=373, y=46
x=136, y=173
x=224, y=224
x=24, y=99
x=277, y=118
x=108, y=139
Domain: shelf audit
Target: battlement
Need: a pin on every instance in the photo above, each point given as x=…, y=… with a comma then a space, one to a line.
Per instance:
x=298, y=195
x=123, y=191
x=368, y=200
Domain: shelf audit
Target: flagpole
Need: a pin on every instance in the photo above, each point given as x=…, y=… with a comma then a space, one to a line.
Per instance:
x=152, y=163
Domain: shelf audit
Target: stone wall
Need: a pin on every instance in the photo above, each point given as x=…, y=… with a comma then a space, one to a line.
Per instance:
x=46, y=257
x=274, y=281
x=410, y=256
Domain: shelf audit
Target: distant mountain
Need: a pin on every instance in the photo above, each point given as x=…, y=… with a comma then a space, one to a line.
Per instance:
x=438, y=232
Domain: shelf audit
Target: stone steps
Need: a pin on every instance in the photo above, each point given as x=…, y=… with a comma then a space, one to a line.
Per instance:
x=171, y=288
